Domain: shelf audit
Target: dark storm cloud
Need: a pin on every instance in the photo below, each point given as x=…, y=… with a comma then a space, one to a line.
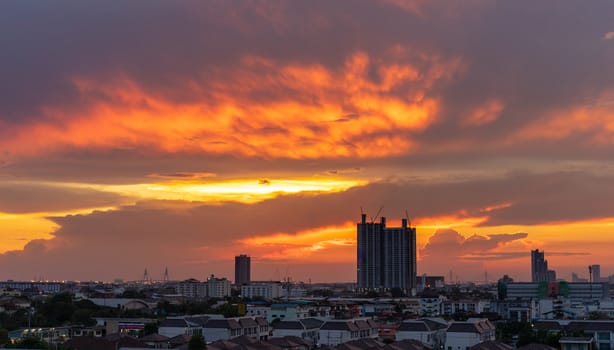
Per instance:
x=19, y=198
x=531, y=56
x=159, y=231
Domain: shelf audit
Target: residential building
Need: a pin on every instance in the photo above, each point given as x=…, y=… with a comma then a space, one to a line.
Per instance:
x=218, y=287
x=288, y=312
x=601, y=332
x=307, y=329
x=335, y=332
x=191, y=288
x=386, y=256
x=266, y=290
x=428, y=331
x=174, y=326
x=595, y=271
x=463, y=335
x=539, y=266
x=242, y=270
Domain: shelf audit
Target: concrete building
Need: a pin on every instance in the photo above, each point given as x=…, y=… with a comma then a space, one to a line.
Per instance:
x=242, y=270
x=539, y=266
x=266, y=290
x=543, y=290
x=218, y=287
x=386, y=256
x=288, y=312
x=595, y=271
x=191, y=288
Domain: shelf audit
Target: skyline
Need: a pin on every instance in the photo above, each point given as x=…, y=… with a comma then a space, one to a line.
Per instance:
x=155, y=134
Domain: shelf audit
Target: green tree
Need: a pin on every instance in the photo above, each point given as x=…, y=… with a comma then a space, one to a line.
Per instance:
x=4, y=336
x=31, y=343
x=197, y=342
x=150, y=328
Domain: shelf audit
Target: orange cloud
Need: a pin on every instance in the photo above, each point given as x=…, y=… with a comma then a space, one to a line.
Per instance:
x=484, y=114
x=330, y=244
x=596, y=119
x=261, y=108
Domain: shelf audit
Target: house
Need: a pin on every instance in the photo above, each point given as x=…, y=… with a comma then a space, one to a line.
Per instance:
x=491, y=345
x=222, y=329
x=307, y=329
x=463, y=335
x=175, y=326
x=576, y=343
x=335, y=332
x=426, y=331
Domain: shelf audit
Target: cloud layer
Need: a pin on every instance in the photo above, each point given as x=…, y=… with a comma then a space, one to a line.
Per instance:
x=489, y=117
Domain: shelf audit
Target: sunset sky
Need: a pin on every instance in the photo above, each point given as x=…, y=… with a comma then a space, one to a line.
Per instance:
x=154, y=134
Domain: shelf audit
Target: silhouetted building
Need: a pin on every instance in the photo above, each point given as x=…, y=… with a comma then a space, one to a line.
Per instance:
x=242, y=269
x=595, y=271
x=386, y=256
x=539, y=267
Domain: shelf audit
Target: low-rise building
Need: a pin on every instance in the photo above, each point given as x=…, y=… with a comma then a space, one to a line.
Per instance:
x=463, y=335
x=266, y=290
x=428, y=331
x=335, y=332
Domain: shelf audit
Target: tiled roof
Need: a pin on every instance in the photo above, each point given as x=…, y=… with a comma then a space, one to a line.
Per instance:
x=174, y=322
x=339, y=326
x=462, y=327
x=289, y=325
x=362, y=324
x=262, y=321
x=536, y=346
x=247, y=322
x=228, y=324
x=491, y=345
x=312, y=323
x=179, y=339
x=199, y=320
x=408, y=344
x=155, y=337
x=413, y=326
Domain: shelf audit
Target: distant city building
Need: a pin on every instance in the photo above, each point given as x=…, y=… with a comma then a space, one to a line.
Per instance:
x=576, y=278
x=551, y=276
x=539, y=266
x=595, y=271
x=266, y=290
x=242, y=269
x=431, y=282
x=39, y=287
x=545, y=290
x=191, y=288
x=386, y=257
x=218, y=287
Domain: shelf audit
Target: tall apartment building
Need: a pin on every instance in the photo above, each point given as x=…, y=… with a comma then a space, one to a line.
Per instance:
x=386, y=256
x=539, y=266
x=242, y=270
x=595, y=271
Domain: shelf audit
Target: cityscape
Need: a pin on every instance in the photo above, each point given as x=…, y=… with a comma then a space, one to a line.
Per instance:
x=388, y=306
x=302, y=175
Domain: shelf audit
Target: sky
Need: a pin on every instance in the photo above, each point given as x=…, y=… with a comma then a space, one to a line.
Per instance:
x=154, y=134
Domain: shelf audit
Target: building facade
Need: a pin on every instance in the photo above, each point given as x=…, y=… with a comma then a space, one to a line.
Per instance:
x=539, y=266
x=242, y=270
x=386, y=256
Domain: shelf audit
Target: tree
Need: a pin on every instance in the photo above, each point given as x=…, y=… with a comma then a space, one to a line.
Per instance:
x=197, y=342
x=31, y=343
x=150, y=328
x=4, y=336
